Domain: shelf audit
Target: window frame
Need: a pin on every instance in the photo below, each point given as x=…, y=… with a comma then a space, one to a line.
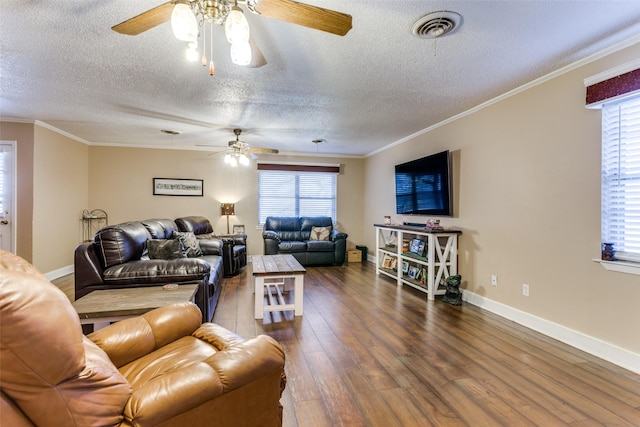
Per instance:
x=298, y=171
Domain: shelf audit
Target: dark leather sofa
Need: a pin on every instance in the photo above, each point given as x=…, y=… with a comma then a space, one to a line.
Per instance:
x=234, y=249
x=296, y=236
x=117, y=258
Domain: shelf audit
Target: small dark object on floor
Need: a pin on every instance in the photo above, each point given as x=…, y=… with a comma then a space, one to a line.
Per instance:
x=453, y=295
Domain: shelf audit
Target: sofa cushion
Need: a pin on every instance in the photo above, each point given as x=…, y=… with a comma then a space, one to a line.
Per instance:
x=160, y=228
x=155, y=271
x=320, y=233
x=165, y=249
x=320, y=246
x=121, y=243
x=288, y=228
x=189, y=243
x=292, y=246
x=195, y=224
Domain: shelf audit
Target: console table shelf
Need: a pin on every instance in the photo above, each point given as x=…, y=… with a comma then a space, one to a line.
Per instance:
x=416, y=257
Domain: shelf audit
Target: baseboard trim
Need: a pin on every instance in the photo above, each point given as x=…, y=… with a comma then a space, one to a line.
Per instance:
x=56, y=274
x=616, y=355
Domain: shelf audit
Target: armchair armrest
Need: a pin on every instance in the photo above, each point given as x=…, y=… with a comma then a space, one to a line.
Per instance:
x=211, y=245
x=337, y=235
x=271, y=235
x=179, y=391
x=133, y=338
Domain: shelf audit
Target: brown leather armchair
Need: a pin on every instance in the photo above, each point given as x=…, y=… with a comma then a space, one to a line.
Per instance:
x=164, y=368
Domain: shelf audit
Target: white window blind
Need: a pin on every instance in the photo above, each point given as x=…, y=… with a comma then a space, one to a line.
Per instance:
x=296, y=193
x=621, y=177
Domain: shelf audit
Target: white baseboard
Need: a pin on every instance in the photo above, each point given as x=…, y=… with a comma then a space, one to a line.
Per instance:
x=56, y=274
x=616, y=355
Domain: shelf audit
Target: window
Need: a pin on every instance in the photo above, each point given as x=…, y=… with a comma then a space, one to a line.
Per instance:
x=285, y=190
x=621, y=177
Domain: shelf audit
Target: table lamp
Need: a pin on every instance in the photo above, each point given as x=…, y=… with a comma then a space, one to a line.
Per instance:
x=227, y=209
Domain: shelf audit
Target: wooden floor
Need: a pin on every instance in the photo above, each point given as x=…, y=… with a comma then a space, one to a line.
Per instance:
x=367, y=353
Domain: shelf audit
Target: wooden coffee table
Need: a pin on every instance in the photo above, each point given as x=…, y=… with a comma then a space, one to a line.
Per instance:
x=274, y=275
x=110, y=305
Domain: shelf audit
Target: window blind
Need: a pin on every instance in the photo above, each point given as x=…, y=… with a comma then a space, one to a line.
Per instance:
x=621, y=177
x=295, y=193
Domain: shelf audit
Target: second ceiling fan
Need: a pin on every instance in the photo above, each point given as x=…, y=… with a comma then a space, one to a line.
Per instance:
x=188, y=15
x=239, y=152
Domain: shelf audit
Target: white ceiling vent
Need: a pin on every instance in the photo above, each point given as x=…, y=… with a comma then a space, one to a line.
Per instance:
x=436, y=24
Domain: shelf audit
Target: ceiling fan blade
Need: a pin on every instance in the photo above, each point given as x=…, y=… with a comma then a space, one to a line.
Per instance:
x=264, y=150
x=306, y=15
x=145, y=21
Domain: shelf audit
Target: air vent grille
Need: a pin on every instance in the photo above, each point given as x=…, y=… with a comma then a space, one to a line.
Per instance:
x=436, y=24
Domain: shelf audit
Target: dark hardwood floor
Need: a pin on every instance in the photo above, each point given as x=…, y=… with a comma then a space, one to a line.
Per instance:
x=367, y=353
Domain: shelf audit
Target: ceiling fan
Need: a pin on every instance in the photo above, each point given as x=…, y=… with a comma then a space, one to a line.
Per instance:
x=239, y=152
x=188, y=15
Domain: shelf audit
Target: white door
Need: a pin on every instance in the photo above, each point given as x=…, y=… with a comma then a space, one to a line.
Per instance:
x=7, y=195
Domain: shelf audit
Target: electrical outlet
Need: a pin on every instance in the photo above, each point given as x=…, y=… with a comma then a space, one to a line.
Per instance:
x=525, y=289
x=494, y=280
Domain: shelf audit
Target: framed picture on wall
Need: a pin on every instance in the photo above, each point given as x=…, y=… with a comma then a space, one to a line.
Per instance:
x=177, y=187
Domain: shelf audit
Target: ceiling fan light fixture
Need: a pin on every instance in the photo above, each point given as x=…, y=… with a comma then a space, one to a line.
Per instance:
x=236, y=26
x=184, y=23
x=192, y=51
x=244, y=160
x=241, y=53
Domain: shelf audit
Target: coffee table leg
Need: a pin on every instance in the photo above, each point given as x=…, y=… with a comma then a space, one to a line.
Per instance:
x=259, y=292
x=298, y=294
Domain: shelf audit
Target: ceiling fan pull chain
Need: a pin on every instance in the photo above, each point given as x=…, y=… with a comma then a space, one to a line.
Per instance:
x=211, y=67
x=204, y=45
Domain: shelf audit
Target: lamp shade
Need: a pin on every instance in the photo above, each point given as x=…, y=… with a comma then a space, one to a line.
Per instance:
x=227, y=209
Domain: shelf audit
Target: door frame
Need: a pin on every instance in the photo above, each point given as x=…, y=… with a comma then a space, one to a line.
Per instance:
x=14, y=193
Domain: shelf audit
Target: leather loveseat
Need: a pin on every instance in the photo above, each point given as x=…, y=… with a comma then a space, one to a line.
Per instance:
x=164, y=368
x=119, y=257
x=234, y=248
x=311, y=240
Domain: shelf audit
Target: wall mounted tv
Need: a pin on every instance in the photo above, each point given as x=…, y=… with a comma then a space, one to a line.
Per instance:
x=423, y=186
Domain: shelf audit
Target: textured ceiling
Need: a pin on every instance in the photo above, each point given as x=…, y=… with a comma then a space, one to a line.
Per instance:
x=61, y=64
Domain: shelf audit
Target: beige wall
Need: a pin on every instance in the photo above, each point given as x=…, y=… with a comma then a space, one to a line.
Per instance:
x=120, y=180
x=528, y=202
x=22, y=133
x=60, y=193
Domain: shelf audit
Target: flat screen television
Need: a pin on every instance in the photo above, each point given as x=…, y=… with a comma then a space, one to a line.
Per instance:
x=423, y=186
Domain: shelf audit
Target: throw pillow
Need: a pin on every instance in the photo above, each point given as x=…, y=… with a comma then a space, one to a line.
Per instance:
x=320, y=233
x=164, y=249
x=189, y=243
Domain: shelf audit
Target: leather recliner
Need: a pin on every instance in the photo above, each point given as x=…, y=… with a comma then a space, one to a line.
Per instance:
x=234, y=249
x=164, y=368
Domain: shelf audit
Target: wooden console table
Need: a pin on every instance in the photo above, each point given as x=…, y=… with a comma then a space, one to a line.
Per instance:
x=426, y=268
